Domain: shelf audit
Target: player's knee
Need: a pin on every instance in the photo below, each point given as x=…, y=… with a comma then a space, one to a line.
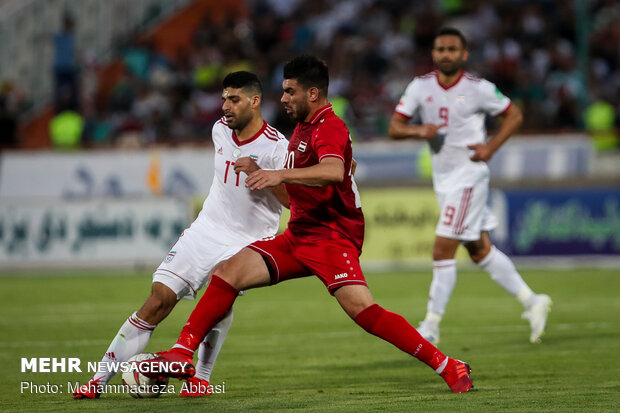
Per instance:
x=441, y=253
x=477, y=252
x=444, y=248
x=229, y=271
x=354, y=299
x=226, y=270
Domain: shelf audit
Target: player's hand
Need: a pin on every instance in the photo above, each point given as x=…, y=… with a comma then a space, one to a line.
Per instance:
x=263, y=178
x=246, y=164
x=428, y=130
x=482, y=153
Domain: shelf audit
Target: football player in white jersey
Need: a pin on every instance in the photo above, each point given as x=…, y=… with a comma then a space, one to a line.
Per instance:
x=452, y=105
x=231, y=218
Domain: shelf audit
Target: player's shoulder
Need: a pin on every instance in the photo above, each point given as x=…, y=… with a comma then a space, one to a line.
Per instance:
x=470, y=77
x=221, y=125
x=330, y=121
x=221, y=130
x=477, y=82
x=430, y=76
x=272, y=134
x=425, y=81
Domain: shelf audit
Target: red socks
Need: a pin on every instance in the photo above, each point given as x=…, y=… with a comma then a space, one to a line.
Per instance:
x=389, y=326
x=211, y=308
x=395, y=329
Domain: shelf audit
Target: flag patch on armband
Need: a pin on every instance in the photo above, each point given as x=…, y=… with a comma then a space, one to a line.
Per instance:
x=170, y=256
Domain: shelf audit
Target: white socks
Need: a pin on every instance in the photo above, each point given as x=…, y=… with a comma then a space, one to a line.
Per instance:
x=135, y=334
x=130, y=340
x=444, y=280
x=503, y=272
x=210, y=348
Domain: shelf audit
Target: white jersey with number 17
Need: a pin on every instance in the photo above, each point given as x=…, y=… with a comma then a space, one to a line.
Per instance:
x=233, y=212
x=459, y=111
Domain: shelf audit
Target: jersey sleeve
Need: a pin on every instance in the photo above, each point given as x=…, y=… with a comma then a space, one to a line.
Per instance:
x=492, y=101
x=330, y=140
x=408, y=105
x=279, y=153
x=216, y=131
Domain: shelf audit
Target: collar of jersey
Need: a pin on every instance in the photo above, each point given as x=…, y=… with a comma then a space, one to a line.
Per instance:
x=451, y=86
x=320, y=113
x=252, y=139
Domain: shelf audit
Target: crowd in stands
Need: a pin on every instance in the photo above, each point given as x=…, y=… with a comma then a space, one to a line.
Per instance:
x=530, y=49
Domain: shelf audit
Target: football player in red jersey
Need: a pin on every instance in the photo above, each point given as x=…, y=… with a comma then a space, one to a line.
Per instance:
x=324, y=235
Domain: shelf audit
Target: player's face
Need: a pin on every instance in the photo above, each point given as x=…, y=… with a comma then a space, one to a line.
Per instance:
x=295, y=100
x=237, y=108
x=449, y=55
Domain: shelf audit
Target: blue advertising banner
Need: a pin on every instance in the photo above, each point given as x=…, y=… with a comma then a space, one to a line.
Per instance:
x=559, y=222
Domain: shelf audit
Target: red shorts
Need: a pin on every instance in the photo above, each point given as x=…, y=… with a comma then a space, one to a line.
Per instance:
x=334, y=261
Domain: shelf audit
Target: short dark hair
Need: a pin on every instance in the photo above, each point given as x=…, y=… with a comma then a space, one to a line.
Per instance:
x=309, y=71
x=451, y=31
x=247, y=81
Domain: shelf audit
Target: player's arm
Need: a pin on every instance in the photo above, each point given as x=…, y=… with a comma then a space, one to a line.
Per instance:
x=401, y=129
x=249, y=165
x=511, y=121
x=327, y=172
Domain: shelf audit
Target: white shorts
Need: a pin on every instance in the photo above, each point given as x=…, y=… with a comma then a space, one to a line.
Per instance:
x=464, y=213
x=187, y=266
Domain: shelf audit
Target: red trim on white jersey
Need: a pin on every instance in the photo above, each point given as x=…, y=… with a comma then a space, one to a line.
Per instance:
x=459, y=228
x=177, y=275
x=445, y=87
x=271, y=133
x=505, y=110
x=252, y=139
x=222, y=120
x=320, y=113
x=402, y=114
x=471, y=77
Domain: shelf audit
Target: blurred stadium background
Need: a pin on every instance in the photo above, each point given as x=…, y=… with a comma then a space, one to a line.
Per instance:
x=106, y=109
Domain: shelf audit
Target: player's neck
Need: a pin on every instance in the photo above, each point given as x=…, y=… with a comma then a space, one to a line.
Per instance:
x=315, y=107
x=251, y=129
x=449, y=80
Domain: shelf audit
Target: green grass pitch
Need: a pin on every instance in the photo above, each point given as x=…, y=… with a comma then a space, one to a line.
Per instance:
x=291, y=347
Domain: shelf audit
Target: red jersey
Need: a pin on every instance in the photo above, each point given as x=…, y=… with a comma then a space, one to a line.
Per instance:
x=328, y=212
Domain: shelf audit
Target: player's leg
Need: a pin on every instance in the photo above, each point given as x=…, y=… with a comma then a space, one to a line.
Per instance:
x=358, y=303
x=262, y=263
x=131, y=339
x=442, y=285
x=455, y=217
x=502, y=270
x=243, y=271
x=210, y=347
x=209, y=350
x=180, y=275
x=336, y=263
